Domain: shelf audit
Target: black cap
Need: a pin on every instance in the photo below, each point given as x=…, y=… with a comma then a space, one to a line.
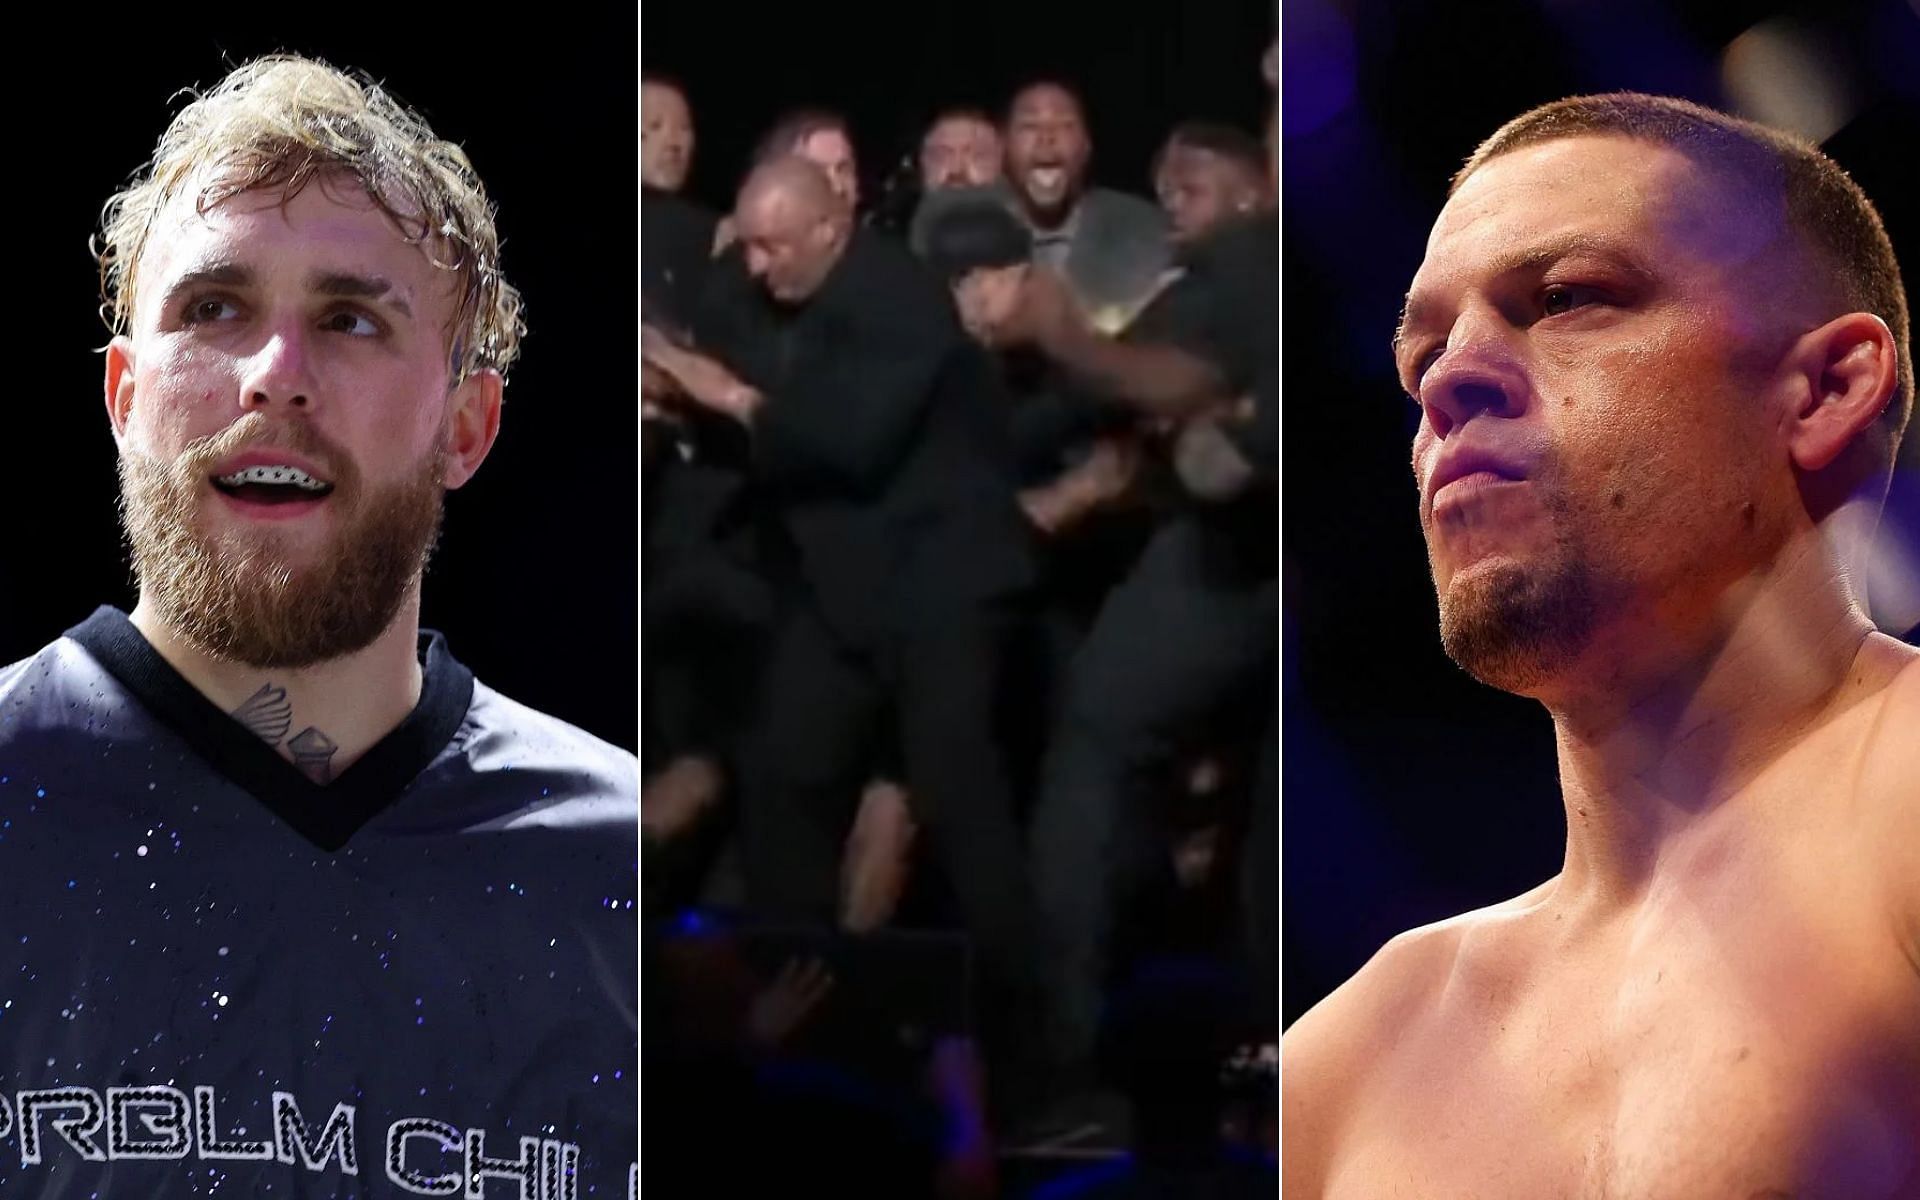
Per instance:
x=971, y=230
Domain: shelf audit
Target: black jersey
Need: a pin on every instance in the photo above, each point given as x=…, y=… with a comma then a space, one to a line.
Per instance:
x=218, y=978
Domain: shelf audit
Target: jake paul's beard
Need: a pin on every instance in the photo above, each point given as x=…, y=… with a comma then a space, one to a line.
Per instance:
x=242, y=594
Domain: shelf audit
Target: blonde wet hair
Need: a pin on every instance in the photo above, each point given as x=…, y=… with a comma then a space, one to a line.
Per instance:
x=280, y=123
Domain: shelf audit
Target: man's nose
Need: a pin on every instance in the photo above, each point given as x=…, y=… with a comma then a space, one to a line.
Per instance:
x=280, y=373
x=1479, y=372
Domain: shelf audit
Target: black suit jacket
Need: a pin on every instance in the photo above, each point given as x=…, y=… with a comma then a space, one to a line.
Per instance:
x=678, y=235
x=881, y=449
x=1225, y=308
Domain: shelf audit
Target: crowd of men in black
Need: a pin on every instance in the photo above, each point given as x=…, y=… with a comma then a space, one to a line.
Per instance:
x=960, y=558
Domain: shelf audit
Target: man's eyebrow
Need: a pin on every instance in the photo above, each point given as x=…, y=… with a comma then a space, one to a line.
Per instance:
x=1529, y=259
x=347, y=285
x=1412, y=310
x=1545, y=254
x=1400, y=326
x=214, y=274
x=343, y=284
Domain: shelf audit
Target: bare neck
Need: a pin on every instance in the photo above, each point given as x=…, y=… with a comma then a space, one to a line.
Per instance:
x=320, y=718
x=1667, y=721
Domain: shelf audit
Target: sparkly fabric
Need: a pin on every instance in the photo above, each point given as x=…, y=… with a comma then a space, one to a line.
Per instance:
x=198, y=997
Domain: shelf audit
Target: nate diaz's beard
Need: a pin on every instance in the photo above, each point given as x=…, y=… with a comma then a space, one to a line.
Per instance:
x=234, y=597
x=1515, y=627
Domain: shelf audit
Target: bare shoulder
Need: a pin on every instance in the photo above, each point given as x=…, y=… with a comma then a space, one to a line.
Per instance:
x=1889, y=780
x=1890, y=763
x=1322, y=1048
x=1899, y=707
x=1888, y=786
x=1324, y=1056
x=1401, y=974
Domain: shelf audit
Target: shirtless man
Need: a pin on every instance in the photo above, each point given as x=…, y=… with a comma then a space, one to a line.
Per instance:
x=1661, y=360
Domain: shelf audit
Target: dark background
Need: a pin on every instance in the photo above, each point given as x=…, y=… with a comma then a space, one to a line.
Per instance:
x=535, y=583
x=1411, y=792
x=889, y=68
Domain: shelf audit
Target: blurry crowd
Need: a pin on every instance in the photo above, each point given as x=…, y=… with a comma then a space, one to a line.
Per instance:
x=960, y=610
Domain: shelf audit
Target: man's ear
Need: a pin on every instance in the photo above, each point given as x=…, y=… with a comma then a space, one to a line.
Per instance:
x=119, y=384
x=1843, y=376
x=472, y=425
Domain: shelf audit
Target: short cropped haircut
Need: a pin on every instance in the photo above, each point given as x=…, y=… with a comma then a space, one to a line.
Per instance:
x=1236, y=146
x=1823, y=205
x=278, y=124
x=962, y=112
x=1060, y=85
x=661, y=80
x=791, y=131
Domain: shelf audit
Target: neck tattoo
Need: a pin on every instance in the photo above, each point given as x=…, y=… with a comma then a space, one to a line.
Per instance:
x=268, y=715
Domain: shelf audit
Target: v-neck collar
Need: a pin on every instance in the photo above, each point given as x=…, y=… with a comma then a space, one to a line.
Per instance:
x=325, y=815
